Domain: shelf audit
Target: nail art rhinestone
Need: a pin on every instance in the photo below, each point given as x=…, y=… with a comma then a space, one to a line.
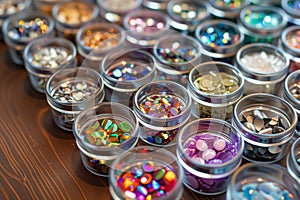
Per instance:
x=189, y=11
x=229, y=3
x=101, y=39
x=295, y=90
x=119, y=5
x=143, y=24
x=260, y=19
x=74, y=13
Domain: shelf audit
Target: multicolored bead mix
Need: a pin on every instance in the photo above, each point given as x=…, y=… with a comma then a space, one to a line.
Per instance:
x=218, y=83
x=229, y=3
x=293, y=40
x=295, y=90
x=147, y=181
x=177, y=53
x=129, y=70
x=107, y=132
x=74, y=91
x=162, y=105
x=219, y=35
x=295, y=4
x=264, y=190
x=160, y=137
x=189, y=12
x=101, y=39
x=8, y=7
x=262, y=62
x=263, y=20
x=146, y=24
x=74, y=13
x=29, y=29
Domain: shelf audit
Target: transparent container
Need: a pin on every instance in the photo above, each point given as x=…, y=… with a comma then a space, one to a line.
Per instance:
x=215, y=87
x=162, y=108
x=44, y=57
x=71, y=90
x=133, y=170
x=145, y=27
x=20, y=29
x=124, y=72
x=156, y=4
x=290, y=44
x=293, y=160
x=185, y=15
x=176, y=56
x=220, y=39
x=11, y=7
x=266, y=123
x=292, y=9
x=45, y=6
x=262, y=23
x=95, y=40
x=70, y=16
x=264, y=67
x=227, y=9
x=260, y=181
x=266, y=2
x=209, y=150
x=98, y=143
x=115, y=10
x=290, y=93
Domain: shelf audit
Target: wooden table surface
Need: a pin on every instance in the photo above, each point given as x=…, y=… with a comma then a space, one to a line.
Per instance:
x=38, y=160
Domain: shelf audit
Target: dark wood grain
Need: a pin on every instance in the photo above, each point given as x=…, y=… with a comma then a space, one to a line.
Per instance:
x=38, y=160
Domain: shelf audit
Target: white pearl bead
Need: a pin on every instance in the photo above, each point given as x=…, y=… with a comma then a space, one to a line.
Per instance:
x=219, y=144
x=201, y=145
x=209, y=154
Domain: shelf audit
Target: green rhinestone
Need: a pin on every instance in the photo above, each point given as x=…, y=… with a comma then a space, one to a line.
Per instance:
x=113, y=128
x=96, y=134
x=124, y=126
x=106, y=123
x=160, y=174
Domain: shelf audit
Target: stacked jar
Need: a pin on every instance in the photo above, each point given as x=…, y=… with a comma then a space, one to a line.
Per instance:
x=215, y=87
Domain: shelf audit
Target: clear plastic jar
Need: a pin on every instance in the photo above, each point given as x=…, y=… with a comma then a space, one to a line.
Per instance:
x=227, y=9
x=215, y=87
x=290, y=44
x=176, y=55
x=11, y=7
x=262, y=23
x=266, y=123
x=70, y=16
x=265, y=2
x=156, y=4
x=292, y=9
x=124, y=72
x=264, y=67
x=145, y=27
x=220, y=39
x=162, y=108
x=102, y=133
x=293, y=160
x=95, y=40
x=115, y=10
x=45, y=6
x=71, y=90
x=185, y=15
x=44, y=57
x=260, y=181
x=133, y=170
x=291, y=94
x=209, y=150
x=20, y=29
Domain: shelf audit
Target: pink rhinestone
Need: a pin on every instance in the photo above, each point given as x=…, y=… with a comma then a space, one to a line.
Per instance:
x=201, y=145
x=209, y=154
x=219, y=144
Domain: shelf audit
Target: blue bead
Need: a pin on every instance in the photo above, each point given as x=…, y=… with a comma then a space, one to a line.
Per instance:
x=142, y=190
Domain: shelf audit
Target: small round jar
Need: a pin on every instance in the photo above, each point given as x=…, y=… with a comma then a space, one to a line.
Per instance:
x=124, y=72
x=293, y=160
x=291, y=93
x=102, y=133
x=70, y=16
x=146, y=173
x=292, y=9
x=209, y=150
x=156, y=4
x=145, y=27
x=44, y=57
x=115, y=10
x=46, y=6
x=95, y=40
x=215, y=87
x=20, y=29
x=260, y=181
x=227, y=9
x=71, y=90
x=290, y=43
x=264, y=67
x=10, y=7
x=162, y=108
x=220, y=39
x=185, y=15
x=176, y=55
x=266, y=123
x=262, y=23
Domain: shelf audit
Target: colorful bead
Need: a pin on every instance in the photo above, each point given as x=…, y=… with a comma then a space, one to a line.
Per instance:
x=189, y=11
x=262, y=20
x=143, y=24
x=101, y=39
x=229, y=3
x=74, y=13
